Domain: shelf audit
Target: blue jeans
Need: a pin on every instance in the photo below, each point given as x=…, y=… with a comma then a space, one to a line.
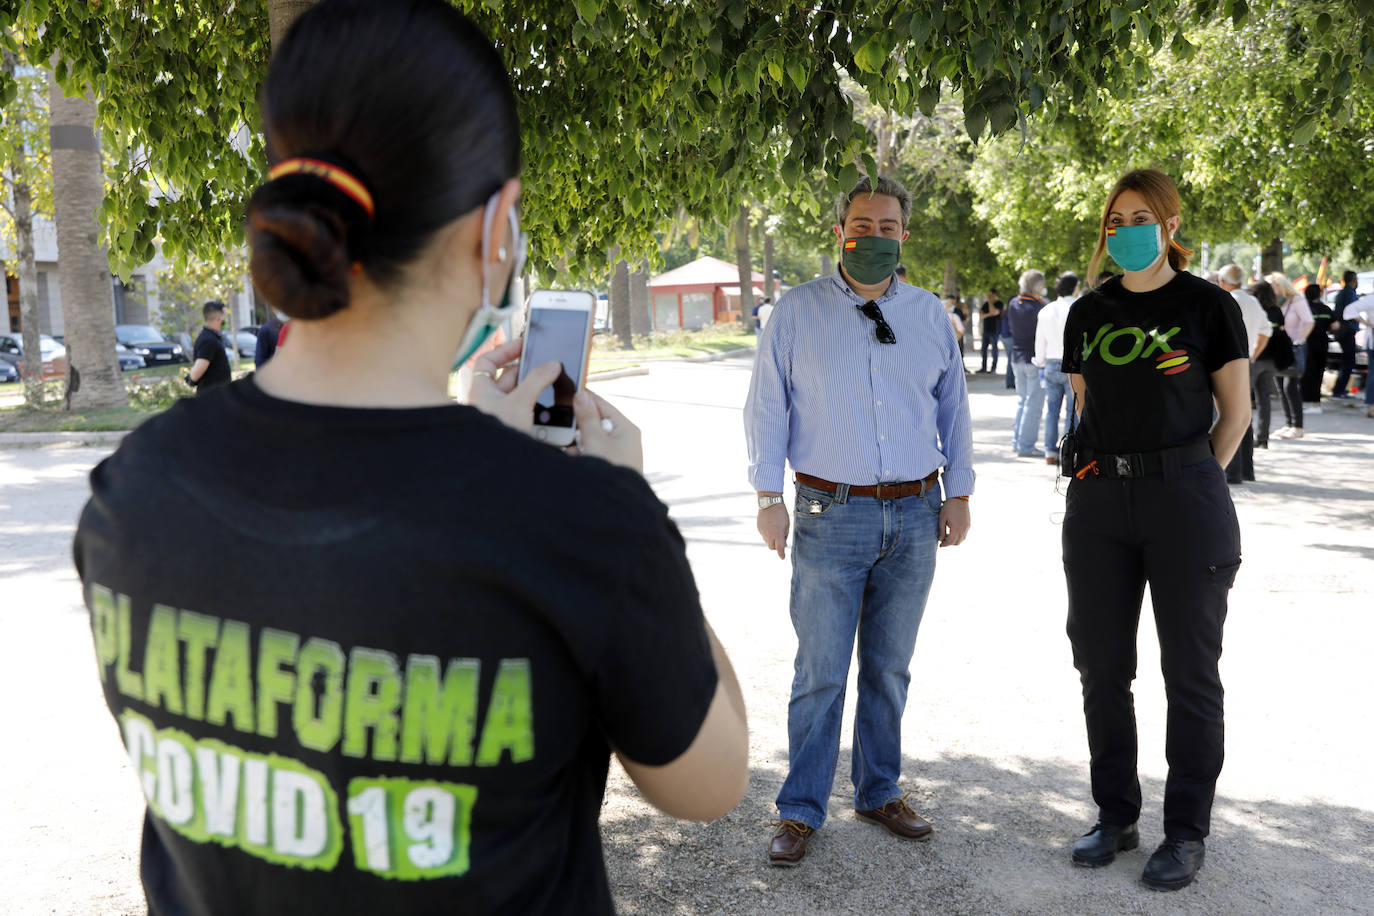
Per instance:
x=860, y=566
x=1369, y=375
x=1030, y=401
x=989, y=343
x=1057, y=390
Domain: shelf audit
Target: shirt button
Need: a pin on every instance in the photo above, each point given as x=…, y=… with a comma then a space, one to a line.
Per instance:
x=880, y=403
x=882, y=437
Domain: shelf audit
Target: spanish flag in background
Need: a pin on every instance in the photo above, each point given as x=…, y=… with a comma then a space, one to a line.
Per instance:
x=1321, y=273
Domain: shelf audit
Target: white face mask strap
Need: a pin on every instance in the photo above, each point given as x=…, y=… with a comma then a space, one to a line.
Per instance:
x=502, y=254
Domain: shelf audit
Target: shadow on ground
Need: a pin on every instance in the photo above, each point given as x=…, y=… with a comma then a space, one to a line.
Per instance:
x=1003, y=830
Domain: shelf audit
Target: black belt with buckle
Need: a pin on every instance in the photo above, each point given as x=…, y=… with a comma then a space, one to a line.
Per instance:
x=1140, y=464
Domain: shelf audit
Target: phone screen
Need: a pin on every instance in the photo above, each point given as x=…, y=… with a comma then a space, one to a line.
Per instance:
x=556, y=334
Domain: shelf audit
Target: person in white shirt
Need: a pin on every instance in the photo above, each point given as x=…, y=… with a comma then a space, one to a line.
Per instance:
x=765, y=312
x=1257, y=327
x=1049, y=357
x=1361, y=312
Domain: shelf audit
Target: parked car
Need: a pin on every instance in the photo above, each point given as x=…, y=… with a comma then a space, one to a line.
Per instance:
x=128, y=359
x=9, y=372
x=151, y=344
x=247, y=339
x=53, y=354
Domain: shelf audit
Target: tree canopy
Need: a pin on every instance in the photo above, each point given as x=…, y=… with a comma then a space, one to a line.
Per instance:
x=1231, y=121
x=630, y=108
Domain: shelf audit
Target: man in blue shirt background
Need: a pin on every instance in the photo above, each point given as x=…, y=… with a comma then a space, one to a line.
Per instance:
x=859, y=385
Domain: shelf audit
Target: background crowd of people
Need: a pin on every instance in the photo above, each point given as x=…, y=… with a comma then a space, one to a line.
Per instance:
x=1288, y=325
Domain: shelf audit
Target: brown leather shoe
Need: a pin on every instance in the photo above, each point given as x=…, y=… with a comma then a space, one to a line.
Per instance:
x=789, y=843
x=898, y=817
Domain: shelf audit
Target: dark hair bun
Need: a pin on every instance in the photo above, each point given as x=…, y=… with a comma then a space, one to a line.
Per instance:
x=408, y=97
x=300, y=259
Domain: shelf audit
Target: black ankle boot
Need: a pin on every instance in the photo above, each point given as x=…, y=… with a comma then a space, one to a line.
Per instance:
x=1174, y=865
x=1100, y=845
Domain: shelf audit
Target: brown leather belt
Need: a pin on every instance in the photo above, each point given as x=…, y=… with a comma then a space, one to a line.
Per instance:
x=877, y=491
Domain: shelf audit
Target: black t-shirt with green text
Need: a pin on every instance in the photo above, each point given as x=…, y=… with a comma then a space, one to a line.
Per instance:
x=374, y=661
x=1147, y=361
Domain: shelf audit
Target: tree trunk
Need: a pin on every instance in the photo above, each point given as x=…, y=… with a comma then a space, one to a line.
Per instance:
x=78, y=186
x=27, y=271
x=768, y=290
x=951, y=279
x=281, y=14
x=639, y=300
x=619, y=295
x=827, y=265
x=746, y=270
x=26, y=268
x=1271, y=257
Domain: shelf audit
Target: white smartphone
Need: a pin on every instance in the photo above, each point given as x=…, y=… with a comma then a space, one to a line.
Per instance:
x=558, y=327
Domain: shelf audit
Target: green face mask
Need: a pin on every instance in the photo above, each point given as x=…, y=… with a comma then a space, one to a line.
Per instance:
x=870, y=259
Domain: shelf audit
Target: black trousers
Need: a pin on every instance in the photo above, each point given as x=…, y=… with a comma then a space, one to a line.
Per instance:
x=1290, y=390
x=1242, y=466
x=1315, y=371
x=1178, y=532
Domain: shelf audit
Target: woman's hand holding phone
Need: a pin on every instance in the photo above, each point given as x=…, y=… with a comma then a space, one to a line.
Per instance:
x=494, y=391
x=605, y=433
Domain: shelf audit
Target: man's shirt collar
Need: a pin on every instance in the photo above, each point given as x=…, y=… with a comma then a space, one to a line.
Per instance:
x=838, y=278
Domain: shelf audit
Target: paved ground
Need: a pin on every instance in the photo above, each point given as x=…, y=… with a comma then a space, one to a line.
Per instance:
x=993, y=734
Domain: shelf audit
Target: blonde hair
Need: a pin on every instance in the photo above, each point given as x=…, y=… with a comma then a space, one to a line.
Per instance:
x=1161, y=196
x=1283, y=286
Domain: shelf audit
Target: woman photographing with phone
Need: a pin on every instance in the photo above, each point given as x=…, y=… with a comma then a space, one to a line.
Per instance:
x=1148, y=355
x=415, y=711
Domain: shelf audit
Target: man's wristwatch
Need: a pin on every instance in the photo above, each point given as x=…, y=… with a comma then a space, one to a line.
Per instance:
x=766, y=501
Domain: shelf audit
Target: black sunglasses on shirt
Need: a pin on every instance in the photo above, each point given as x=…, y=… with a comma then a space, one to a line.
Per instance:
x=875, y=314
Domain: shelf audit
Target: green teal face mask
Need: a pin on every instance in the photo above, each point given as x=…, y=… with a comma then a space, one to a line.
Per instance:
x=870, y=259
x=1135, y=247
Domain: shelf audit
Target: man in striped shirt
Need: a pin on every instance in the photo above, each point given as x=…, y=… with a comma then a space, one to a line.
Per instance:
x=859, y=385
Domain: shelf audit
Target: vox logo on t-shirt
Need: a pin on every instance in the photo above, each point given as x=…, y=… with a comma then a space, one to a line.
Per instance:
x=1119, y=346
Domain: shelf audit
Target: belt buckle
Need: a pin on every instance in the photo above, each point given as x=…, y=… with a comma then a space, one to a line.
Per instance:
x=1123, y=466
x=878, y=491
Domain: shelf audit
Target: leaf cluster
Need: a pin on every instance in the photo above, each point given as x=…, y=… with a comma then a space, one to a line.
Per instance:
x=630, y=108
x=1241, y=123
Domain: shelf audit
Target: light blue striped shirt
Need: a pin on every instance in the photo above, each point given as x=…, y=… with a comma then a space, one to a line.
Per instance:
x=829, y=398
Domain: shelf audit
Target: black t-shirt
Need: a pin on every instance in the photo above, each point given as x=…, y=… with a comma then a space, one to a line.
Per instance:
x=379, y=662
x=1147, y=360
x=209, y=345
x=991, y=322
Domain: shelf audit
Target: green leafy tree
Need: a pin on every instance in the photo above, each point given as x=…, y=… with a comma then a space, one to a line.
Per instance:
x=1230, y=119
x=674, y=100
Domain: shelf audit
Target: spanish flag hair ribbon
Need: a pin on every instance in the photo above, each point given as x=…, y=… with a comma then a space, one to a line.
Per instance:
x=336, y=176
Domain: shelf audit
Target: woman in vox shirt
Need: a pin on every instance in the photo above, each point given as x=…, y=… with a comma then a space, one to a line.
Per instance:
x=1148, y=354
x=416, y=714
